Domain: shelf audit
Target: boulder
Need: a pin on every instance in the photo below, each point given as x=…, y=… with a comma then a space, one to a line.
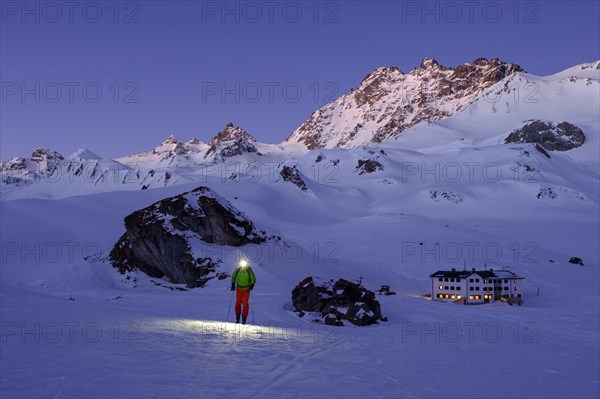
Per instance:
x=342, y=300
x=552, y=136
x=576, y=261
x=157, y=239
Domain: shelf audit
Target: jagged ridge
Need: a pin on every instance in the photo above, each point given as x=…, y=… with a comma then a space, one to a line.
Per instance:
x=387, y=101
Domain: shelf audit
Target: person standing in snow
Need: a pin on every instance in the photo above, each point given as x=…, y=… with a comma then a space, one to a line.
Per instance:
x=243, y=276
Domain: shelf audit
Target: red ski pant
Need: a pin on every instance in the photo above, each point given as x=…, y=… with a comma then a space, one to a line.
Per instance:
x=241, y=298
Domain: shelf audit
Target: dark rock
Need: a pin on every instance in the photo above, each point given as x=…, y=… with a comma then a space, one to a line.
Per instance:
x=222, y=276
x=551, y=136
x=385, y=290
x=547, y=193
x=368, y=166
x=156, y=238
x=438, y=195
x=576, y=261
x=292, y=174
x=542, y=151
x=310, y=297
x=331, y=320
x=342, y=300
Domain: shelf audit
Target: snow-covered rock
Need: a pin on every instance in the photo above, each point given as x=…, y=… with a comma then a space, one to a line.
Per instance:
x=552, y=136
x=335, y=302
x=169, y=237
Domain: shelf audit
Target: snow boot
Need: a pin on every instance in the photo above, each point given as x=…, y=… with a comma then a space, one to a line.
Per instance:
x=237, y=318
x=243, y=320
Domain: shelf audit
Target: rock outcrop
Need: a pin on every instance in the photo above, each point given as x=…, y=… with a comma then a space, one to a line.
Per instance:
x=291, y=174
x=439, y=195
x=576, y=261
x=552, y=136
x=335, y=302
x=159, y=240
x=368, y=166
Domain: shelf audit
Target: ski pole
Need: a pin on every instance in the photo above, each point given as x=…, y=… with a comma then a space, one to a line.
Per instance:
x=252, y=308
x=229, y=309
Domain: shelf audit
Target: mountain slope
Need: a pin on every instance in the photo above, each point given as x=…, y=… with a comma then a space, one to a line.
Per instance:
x=388, y=101
x=570, y=96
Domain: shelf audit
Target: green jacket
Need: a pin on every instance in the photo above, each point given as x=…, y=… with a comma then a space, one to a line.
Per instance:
x=243, y=277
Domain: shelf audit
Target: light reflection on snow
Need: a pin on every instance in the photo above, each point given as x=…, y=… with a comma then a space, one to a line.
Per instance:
x=227, y=331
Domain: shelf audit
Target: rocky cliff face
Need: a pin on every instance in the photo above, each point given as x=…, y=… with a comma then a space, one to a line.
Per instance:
x=162, y=239
x=388, y=101
x=552, y=136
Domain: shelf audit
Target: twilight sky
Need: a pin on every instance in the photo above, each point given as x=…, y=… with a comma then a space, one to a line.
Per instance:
x=119, y=77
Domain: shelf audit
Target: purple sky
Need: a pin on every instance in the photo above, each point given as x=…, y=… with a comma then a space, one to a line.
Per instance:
x=189, y=67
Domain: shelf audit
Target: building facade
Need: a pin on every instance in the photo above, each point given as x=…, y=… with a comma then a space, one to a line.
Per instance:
x=477, y=286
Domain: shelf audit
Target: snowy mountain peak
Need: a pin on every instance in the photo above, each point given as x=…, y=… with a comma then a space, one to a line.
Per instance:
x=591, y=65
x=45, y=154
x=231, y=133
x=481, y=61
x=430, y=63
x=19, y=171
x=45, y=158
x=84, y=154
x=390, y=72
x=171, y=140
x=387, y=102
x=13, y=164
x=194, y=141
x=232, y=141
x=172, y=146
x=589, y=70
